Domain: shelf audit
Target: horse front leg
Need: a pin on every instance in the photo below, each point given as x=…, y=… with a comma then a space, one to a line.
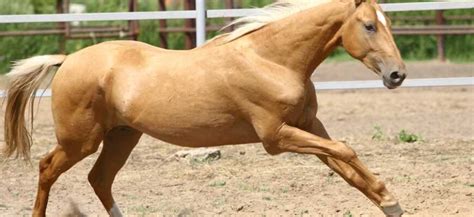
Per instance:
x=380, y=195
x=338, y=156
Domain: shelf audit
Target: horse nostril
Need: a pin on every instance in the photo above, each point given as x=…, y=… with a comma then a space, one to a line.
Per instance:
x=394, y=79
x=395, y=75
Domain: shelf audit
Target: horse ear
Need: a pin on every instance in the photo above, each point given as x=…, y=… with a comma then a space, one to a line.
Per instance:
x=358, y=2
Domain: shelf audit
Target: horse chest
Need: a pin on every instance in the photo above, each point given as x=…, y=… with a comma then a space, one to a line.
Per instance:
x=287, y=104
x=294, y=105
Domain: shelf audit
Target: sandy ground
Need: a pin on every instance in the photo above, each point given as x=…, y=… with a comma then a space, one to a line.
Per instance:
x=432, y=177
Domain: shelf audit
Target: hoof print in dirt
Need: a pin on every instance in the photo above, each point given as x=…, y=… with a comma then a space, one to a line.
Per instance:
x=200, y=154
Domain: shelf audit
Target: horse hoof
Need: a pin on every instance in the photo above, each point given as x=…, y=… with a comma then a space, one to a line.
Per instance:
x=393, y=210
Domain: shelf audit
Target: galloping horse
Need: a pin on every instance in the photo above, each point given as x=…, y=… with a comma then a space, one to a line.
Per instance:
x=251, y=85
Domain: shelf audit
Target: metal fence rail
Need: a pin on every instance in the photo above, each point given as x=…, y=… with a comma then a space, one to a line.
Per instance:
x=372, y=84
x=157, y=15
x=391, y=7
x=201, y=14
x=345, y=85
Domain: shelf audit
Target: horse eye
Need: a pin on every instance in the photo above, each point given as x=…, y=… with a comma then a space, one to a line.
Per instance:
x=370, y=27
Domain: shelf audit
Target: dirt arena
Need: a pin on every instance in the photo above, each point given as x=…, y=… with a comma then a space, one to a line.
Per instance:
x=432, y=177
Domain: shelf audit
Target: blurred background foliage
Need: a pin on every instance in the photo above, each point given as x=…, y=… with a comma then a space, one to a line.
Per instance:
x=459, y=48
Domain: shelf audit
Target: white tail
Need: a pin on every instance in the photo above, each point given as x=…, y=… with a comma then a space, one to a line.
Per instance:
x=24, y=80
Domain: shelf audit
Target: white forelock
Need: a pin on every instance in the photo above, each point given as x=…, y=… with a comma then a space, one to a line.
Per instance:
x=381, y=18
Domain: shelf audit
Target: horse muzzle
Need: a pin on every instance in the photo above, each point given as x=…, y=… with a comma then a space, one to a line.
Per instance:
x=394, y=79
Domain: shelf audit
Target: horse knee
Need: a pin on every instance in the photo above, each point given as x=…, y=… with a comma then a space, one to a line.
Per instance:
x=273, y=151
x=272, y=148
x=102, y=186
x=96, y=180
x=345, y=153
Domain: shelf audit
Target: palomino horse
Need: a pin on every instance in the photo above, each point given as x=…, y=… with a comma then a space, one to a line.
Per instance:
x=252, y=85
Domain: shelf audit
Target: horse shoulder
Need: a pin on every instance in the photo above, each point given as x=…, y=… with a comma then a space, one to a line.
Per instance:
x=272, y=88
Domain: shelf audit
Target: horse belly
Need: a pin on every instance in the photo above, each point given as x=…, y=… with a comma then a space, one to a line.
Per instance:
x=192, y=123
x=199, y=133
x=210, y=137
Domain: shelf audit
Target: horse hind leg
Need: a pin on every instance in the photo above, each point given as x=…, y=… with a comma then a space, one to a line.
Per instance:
x=70, y=150
x=118, y=144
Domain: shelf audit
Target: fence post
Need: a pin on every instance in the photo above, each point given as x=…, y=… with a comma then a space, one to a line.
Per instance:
x=163, y=26
x=200, y=22
x=189, y=24
x=440, y=37
x=229, y=4
x=133, y=25
x=61, y=26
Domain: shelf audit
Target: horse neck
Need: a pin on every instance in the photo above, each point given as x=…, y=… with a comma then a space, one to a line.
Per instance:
x=302, y=41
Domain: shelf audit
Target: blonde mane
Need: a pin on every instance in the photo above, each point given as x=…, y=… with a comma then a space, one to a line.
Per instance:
x=269, y=14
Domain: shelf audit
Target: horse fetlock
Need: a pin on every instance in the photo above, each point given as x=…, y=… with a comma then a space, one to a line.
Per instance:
x=115, y=211
x=379, y=187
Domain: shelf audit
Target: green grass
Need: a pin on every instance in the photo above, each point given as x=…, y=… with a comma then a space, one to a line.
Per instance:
x=407, y=137
x=403, y=136
x=218, y=184
x=378, y=133
x=347, y=214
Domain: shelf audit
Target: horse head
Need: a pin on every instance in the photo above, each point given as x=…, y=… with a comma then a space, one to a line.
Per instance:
x=367, y=36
